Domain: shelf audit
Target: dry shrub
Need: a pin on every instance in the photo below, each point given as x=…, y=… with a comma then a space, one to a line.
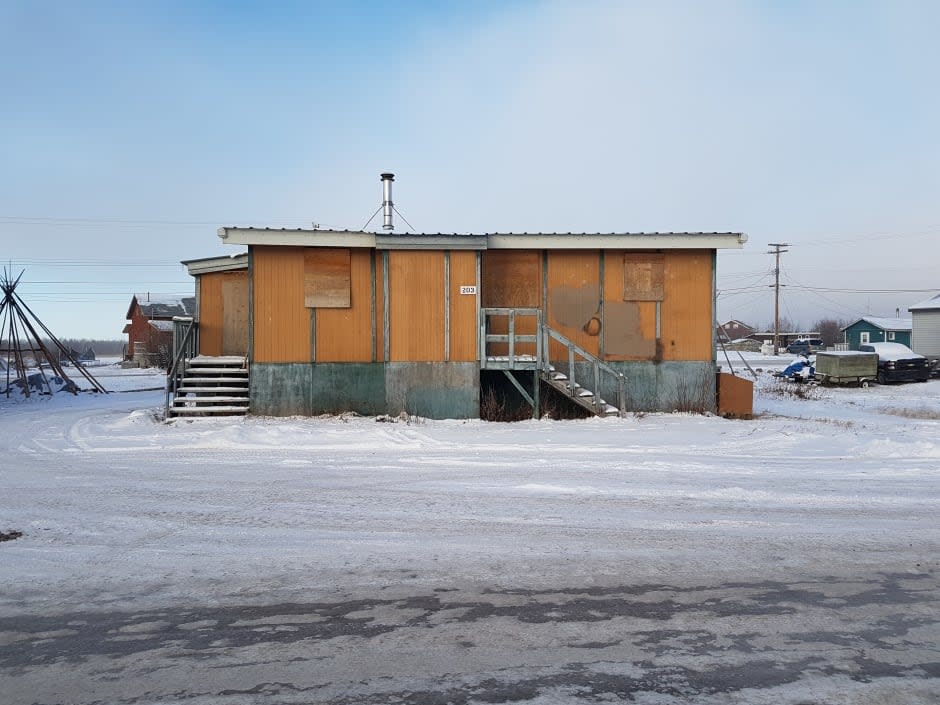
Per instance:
x=921, y=412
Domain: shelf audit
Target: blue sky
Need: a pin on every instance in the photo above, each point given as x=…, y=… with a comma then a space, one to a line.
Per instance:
x=131, y=131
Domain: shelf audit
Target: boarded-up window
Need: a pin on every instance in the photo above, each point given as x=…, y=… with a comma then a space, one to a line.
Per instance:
x=327, y=282
x=642, y=277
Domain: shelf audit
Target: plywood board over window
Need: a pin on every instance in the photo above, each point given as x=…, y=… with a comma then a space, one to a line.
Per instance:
x=327, y=279
x=643, y=277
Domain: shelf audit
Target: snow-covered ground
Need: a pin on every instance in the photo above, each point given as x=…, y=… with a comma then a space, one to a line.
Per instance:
x=830, y=493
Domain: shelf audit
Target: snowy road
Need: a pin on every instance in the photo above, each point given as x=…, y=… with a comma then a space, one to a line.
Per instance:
x=659, y=558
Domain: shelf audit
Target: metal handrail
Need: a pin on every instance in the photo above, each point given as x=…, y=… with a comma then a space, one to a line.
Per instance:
x=541, y=338
x=511, y=337
x=186, y=349
x=597, y=366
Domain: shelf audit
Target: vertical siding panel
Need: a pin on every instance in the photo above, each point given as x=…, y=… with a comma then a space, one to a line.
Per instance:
x=463, y=307
x=573, y=297
x=511, y=279
x=345, y=334
x=416, y=298
x=281, y=321
x=638, y=316
x=687, y=306
x=379, y=307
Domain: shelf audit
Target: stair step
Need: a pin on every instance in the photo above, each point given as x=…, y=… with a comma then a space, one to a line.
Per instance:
x=217, y=360
x=210, y=400
x=240, y=371
x=227, y=380
x=186, y=389
x=208, y=410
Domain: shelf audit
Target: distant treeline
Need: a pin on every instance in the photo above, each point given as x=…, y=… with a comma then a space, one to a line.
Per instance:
x=106, y=348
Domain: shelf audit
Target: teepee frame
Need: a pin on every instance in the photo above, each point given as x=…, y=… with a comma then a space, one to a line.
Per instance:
x=19, y=336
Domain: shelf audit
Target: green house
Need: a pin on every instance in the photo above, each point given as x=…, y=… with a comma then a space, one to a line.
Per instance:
x=871, y=329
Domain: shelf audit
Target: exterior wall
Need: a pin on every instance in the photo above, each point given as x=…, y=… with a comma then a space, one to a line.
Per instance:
x=416, y=306
x=320, y=360
x=876, y=335
x=281, y=321
x=348, y=334
x=462, y=270
x=573, y=298
x=660, y=386
x=142, y=338
x=223, y=313
x=431, y=390
x=925, y=336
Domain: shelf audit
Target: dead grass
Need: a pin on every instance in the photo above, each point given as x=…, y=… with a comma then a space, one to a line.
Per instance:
x=921, y=412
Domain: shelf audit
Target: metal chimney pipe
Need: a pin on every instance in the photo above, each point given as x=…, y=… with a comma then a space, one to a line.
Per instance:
x=387, y=205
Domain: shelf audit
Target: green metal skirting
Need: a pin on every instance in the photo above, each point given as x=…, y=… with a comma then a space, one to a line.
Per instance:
x=431, y=390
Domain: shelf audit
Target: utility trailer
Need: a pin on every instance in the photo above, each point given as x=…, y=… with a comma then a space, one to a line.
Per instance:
x=846, y=367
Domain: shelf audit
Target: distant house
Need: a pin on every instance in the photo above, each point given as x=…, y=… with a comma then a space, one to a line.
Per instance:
x=150, y=326
x=925, y=327
x=733, y=330
x=872, y=329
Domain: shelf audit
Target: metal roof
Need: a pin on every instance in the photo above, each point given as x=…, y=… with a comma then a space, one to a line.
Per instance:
x=895, y=324
x=224, y=263
x=932, y=303
x=163, y=306
x=354, y=238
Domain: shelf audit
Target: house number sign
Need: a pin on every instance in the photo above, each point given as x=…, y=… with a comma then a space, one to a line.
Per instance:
x=468, y=290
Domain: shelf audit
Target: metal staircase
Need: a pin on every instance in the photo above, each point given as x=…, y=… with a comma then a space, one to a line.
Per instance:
x=527, y=344
x=209, y=386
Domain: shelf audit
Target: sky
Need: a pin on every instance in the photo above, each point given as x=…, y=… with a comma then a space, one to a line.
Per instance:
x=130, y=132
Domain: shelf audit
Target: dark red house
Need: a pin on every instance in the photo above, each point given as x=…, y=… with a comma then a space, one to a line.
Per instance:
x=150, y=327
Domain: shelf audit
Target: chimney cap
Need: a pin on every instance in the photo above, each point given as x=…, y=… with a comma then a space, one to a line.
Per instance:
x=387, y=175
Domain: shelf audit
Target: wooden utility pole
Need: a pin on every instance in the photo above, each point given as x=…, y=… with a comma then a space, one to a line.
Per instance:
x=777, y=251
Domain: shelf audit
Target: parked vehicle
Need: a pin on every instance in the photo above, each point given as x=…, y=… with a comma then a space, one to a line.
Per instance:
x=898, y=363
x=846, y=367
x=805, y=346
x=800, y=370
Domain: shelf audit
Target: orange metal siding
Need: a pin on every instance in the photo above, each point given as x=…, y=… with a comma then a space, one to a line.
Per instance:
x=281, y=322
x=574, y=295
x=379, y=308
x=345, y=334
x=416, y=306
x=463, y=307
x=511, y=279
x=629, y=326
x=686, y=318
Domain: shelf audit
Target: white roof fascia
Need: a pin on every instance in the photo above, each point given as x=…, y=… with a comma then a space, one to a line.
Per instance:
x=216, y=264
x=496, y=241
x=296, y=238
x=430, y=242
x=617, y=241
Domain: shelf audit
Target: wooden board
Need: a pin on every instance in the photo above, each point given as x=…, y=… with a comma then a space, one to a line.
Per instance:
x=327, y=278
x=234, y=292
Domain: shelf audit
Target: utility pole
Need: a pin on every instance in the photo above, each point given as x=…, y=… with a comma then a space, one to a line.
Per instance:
x=777, y=251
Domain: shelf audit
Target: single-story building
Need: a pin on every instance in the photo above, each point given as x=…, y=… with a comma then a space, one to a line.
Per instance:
x=874, y=329
x=734, y=330
x=380, y=323
x=925, y=327
x=150, y=326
